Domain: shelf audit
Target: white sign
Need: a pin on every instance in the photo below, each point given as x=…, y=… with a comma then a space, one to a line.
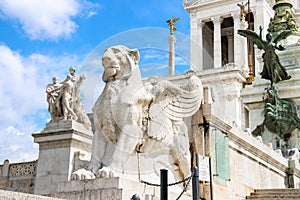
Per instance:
x=203, y=168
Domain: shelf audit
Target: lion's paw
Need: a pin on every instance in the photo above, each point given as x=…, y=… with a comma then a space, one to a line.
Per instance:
x=105, y=172
x=82, y=174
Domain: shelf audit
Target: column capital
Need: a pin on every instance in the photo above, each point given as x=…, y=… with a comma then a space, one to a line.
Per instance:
x=217, y=20
x=200, y=23
x=193, y=14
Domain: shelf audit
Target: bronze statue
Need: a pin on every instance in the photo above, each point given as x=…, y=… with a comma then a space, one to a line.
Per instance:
x=272, y=69
x=243, y=10
x=280, y=116
x=171, y=24
x=283, y=18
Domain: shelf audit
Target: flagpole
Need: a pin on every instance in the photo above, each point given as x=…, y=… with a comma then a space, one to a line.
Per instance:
x=250, y=55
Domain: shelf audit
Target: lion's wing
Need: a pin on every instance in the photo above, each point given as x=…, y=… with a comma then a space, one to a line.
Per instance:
x=171, y=107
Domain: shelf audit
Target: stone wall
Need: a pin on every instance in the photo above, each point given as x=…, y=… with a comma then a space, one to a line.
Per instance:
x=18, y=177
x=8, y=195
x=254, y=165
x=250, y=164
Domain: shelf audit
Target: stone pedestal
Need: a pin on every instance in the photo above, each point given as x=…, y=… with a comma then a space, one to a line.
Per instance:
x=58, y=143
x=110, y=188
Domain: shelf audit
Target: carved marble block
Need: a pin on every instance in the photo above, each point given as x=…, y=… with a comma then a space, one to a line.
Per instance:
x=132, y=117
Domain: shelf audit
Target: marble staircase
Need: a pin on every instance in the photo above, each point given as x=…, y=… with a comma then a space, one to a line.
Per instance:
x=274, y=194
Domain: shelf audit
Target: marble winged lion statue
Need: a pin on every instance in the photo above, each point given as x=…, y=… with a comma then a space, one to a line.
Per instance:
x=135, y=117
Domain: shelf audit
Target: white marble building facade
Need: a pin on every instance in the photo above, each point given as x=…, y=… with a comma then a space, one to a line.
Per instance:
x=214, y=25
x=232, y=109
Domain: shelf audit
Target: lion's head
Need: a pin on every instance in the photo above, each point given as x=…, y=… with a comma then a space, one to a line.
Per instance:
x=118, y=62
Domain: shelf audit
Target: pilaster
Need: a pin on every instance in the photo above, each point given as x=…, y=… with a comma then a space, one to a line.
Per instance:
x=196, y=44
x=200, y=44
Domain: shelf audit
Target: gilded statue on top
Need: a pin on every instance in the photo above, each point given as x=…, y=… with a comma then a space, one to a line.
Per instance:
x=171, y=24
x=243, y=10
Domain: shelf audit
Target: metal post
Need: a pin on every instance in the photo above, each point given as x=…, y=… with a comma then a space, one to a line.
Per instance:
x=195, y=183
x=211, y=180
x=163, y=184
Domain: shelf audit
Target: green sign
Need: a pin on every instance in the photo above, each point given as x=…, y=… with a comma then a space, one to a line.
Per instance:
x=222, y=155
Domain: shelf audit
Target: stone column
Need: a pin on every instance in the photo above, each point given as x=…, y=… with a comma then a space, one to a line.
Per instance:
x=217, y=42
x=58, y=143
x=230, y=48
x=172, y=41
x=240, y=43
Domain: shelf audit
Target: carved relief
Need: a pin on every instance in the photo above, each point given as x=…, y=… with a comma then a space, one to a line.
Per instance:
x=195, y=2
x=230, y=97
x=283, y=18
x=22, y=169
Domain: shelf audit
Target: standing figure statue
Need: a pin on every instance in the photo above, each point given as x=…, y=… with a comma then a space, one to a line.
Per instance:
x=72, y=73
x=53, y=95
x=272, y=69
x=66, y=98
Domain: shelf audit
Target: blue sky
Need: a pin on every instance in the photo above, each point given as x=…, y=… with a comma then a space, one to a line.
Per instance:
x=40, y=39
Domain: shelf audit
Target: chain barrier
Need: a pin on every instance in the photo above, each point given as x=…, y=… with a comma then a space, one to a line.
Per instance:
x=188, y=179
x=185, y=187
x=151, y=184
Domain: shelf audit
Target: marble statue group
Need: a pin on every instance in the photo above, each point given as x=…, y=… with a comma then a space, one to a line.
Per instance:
x=132, y=116
x=64, y=101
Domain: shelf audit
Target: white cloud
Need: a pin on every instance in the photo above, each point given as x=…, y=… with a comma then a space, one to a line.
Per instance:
x=12, y=130
x=23, y=107
x=16, y=146
x=91, y=13
x=13, y=148
x=181, y=61
x=47, y=19
x=19, y=89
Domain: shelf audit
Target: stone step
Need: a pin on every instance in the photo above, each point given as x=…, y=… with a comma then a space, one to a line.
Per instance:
x=272, y=198
x=9, y=195
x=286, y=198
x=275, y=194
x=272, y=191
